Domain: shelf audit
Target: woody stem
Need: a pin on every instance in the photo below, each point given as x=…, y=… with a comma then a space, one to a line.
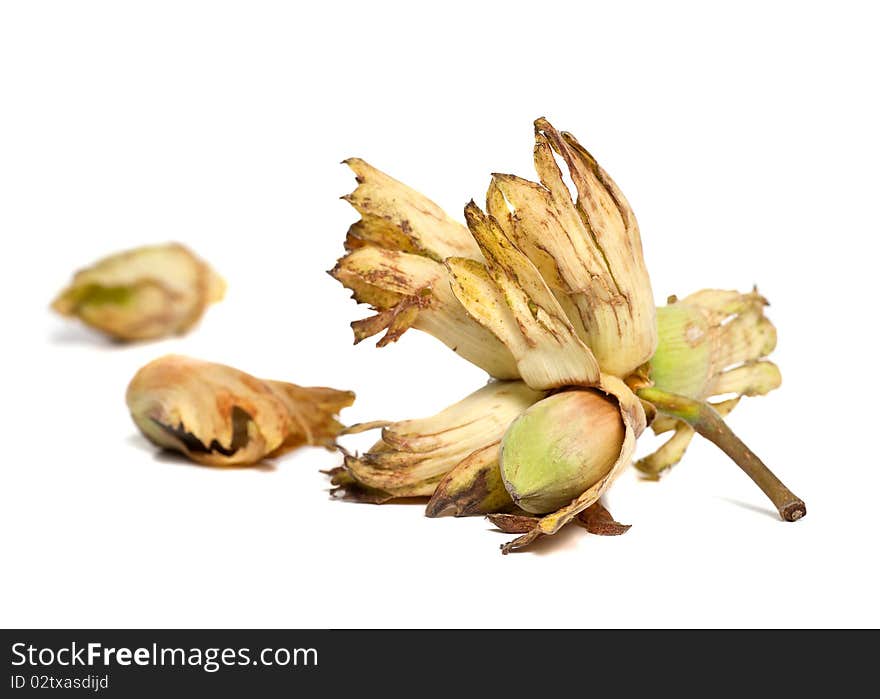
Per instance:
x=706, y=421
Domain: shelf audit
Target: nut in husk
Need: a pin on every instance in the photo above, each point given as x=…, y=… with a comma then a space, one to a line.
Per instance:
x=581, y=463
x=220, y=416
x=559, y=447
x=142, y=294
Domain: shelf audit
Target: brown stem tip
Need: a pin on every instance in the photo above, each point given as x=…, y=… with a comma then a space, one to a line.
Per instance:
x=793, y=511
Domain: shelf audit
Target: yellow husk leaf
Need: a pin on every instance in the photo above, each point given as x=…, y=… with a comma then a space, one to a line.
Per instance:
x=510, y=298
x=588, y=250
x=413, y=291
x=397, y=217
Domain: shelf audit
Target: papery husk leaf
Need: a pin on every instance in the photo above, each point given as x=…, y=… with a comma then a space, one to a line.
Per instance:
x=405, y=483
x=142, y=294
x=311, y=412
x=219, y=416
x=689, y=341
x=397, y=217
x=723, y=303
x=413, y=291
x=714, y=342
x=668, y=454
x=524, y=213
x=745, y=338
x=663, y=423
x=633, y=416
x=509, y=297
x=753, y=379
x=345, y=487
x=473, y=487
x=589, y=249
x=414, y=455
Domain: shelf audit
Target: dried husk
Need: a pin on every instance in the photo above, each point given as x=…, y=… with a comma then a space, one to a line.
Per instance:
x=588, y=249
x=142, y=294
x=394, y=263
x=596, y=519
x=219, y=416
x=508, y=296
x=568, y=271
x=473, y=487
x=409, y=290
x=396, y=217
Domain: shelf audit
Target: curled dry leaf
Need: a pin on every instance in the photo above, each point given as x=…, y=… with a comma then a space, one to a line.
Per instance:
x=511, y=523
x=345, y=487
x=596, y=519
x=142, y=294
x=220, y=416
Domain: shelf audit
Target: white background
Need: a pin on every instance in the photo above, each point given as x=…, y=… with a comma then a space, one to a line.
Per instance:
x=745, y=139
